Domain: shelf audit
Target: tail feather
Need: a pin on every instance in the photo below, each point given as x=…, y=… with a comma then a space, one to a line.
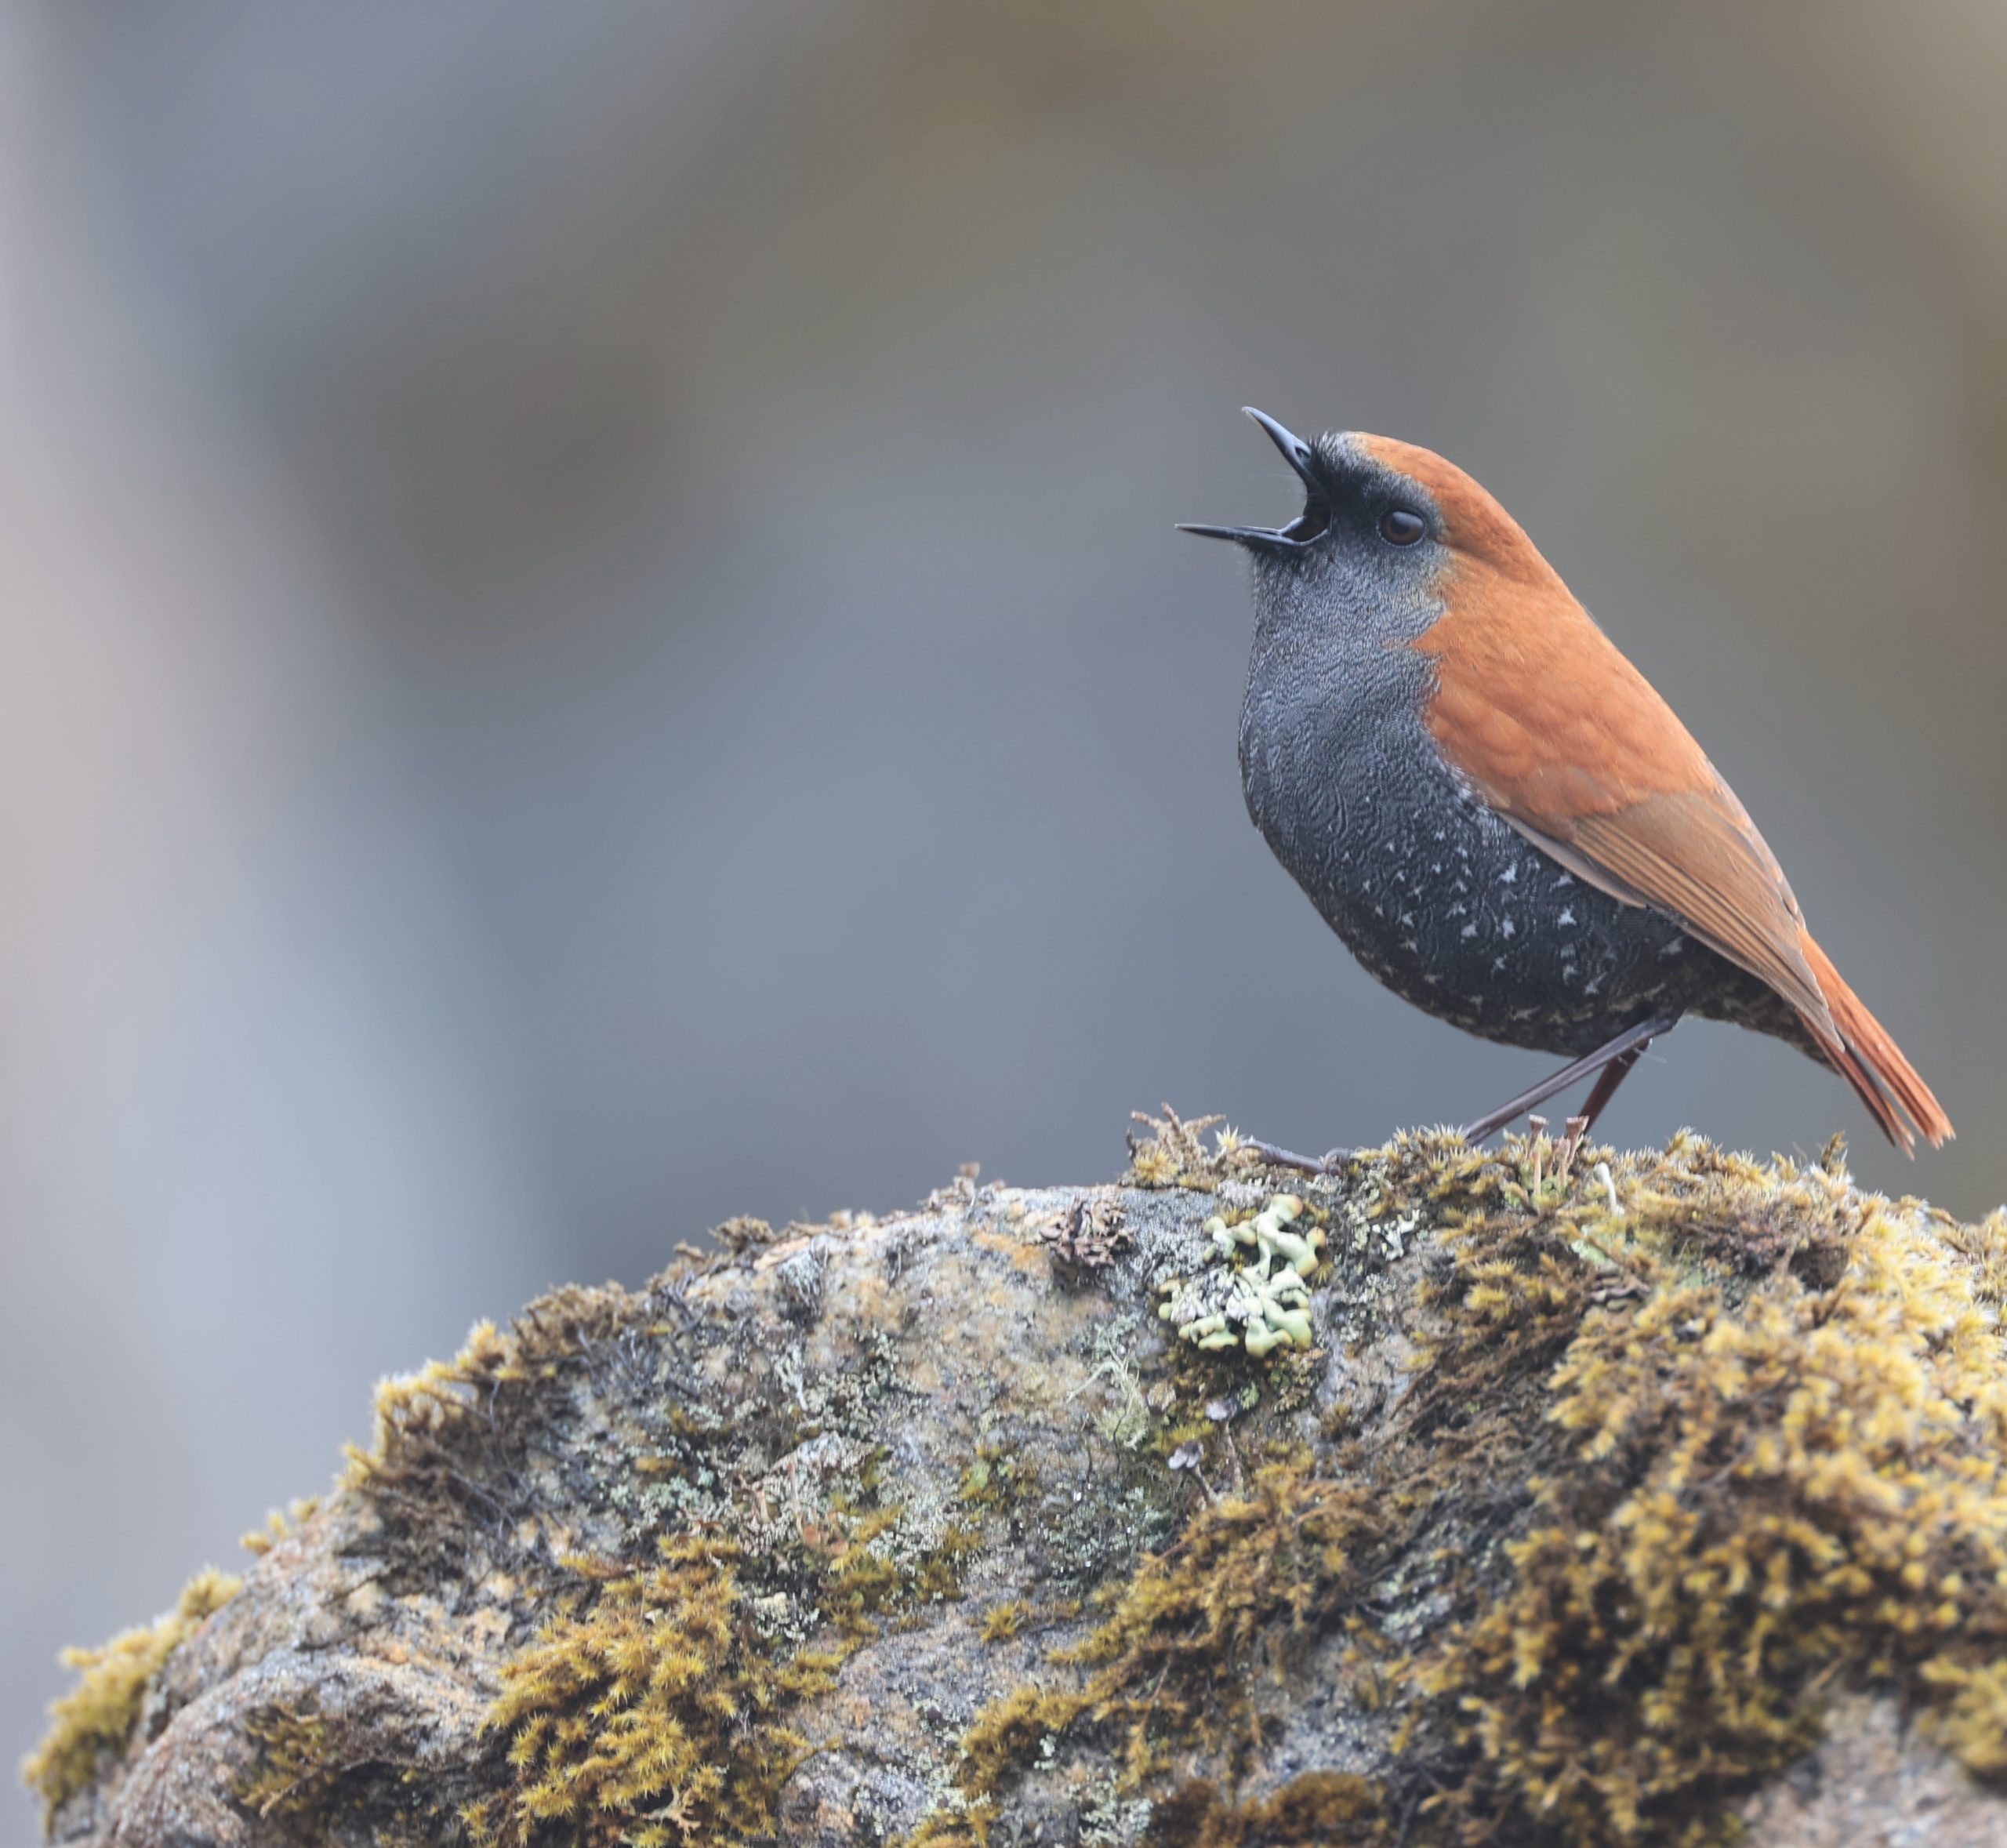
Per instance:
x=1863, y=1055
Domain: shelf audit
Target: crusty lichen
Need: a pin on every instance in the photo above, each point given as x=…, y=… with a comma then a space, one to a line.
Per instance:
x=95, y=1719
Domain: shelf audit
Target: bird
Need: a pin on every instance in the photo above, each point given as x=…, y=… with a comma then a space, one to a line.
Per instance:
x=1496, y=812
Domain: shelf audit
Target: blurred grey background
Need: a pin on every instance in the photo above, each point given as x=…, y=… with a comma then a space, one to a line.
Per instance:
x=590, y=637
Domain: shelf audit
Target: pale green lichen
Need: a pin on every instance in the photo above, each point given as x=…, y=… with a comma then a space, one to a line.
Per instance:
x=1255, y=1295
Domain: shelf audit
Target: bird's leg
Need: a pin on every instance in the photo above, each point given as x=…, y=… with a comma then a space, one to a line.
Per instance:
x=1613, y=1061
x=1605, y=1088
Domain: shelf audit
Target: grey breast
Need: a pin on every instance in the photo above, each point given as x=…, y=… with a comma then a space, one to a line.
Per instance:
x=1437, y=897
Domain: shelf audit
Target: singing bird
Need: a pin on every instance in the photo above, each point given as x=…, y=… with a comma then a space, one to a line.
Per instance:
x=1496, y=811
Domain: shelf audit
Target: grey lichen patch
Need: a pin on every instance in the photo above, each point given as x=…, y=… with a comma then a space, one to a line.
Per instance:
x=1376, y=1219
x=802, y=1281
x=1255, y=1293
x=1113, y=1817
x=1094, y=1531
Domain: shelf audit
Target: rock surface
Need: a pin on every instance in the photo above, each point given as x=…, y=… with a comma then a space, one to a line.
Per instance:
x=1645, y=1498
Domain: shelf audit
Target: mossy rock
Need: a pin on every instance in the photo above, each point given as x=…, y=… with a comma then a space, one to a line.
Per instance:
x=1658, y=1498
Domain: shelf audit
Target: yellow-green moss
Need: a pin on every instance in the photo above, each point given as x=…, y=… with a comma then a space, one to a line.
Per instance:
x=1174, y=1153
x=953, y=1829
x=937, y=1575
x=1764, y=1486
x=97, y=1718
x=1985, y=1245
x=1968, y=1714
x=415, y=1411
x=1674, y=1446
x=1171, y=1664
x=278, y=1524
x=997, y=1480
x=294, y=1773
x=415, y=1406
x=653, y=1714
x=1691, y=1442
x=1319, y=1810
x=654, y=1706
x=1004, y=1621
x=866, y=1571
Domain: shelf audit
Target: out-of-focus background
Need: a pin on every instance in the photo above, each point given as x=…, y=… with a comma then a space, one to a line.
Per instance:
x=590, y=637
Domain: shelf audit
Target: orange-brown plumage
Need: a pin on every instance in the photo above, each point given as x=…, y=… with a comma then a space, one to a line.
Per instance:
x=1568, y=742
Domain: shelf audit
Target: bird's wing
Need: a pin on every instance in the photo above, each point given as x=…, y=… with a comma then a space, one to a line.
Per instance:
x=1570, y=743
x=1574, y=747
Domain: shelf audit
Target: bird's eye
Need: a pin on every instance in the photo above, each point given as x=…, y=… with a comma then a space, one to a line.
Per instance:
x=1402, y=526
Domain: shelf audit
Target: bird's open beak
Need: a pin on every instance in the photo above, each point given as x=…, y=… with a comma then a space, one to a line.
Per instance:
x=1308, y=526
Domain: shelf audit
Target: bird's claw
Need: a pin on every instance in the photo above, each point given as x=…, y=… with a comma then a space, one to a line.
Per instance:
x=1330, y=1162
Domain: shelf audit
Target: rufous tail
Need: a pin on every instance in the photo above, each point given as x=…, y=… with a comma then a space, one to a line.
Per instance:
x=1871, y=1062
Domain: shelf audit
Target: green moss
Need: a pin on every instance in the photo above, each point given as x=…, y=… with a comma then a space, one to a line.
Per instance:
x=655, y=1713
x=94, y=1721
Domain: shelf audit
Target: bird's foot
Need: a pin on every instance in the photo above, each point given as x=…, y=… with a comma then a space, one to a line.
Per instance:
x=1331, y=1162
